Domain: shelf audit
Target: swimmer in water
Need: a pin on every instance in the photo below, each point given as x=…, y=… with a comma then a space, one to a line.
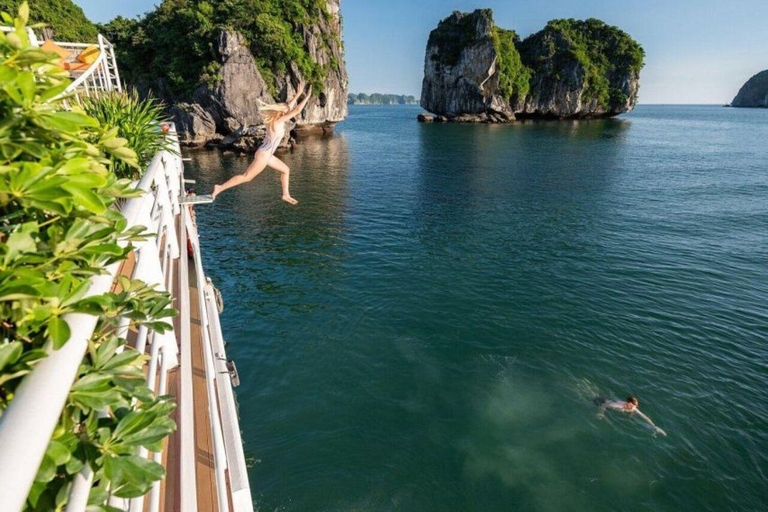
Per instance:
x=629, y=407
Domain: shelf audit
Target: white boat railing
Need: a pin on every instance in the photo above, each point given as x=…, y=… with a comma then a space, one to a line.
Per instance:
x=99, y=77
x=32, y=37
x=27, y=425
x=230, y=466
x=233, y=443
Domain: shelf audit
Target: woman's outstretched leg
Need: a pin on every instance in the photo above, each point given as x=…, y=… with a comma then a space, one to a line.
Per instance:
x=259, y=164
x=285, y=178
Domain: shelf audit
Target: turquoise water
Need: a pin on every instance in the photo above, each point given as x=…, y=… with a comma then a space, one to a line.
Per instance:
x=426, y=331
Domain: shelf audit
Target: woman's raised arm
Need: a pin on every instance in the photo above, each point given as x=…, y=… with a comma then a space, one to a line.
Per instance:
x=295, y=99
x=297, y=110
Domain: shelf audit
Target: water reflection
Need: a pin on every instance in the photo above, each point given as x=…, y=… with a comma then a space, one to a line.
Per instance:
x=267, y=235
x=540, y=175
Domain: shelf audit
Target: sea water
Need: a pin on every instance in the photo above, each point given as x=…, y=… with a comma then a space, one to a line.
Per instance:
x=427, y=329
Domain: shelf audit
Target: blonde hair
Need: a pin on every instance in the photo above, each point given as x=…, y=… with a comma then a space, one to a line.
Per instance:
x=271, y=113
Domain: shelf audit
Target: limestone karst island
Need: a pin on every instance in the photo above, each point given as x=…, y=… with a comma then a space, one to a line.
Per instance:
x=237, y=275
x=475, y=71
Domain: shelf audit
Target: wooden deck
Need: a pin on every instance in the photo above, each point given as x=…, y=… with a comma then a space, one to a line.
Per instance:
x=204, y=454
x=170, y=490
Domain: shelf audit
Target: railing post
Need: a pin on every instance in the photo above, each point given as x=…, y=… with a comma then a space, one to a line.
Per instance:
x=114, y=66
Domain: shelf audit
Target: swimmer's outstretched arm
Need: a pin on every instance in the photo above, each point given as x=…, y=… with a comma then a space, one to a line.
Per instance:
x=650, y=422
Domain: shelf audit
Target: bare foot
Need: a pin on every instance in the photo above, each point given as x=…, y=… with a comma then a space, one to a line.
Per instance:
x=216, y=191
x=290, y=200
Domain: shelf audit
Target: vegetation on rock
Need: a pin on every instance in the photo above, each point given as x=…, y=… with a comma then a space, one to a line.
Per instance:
x=63, y=16
x=454, y=34
x=514, y=76
x=58, y=230
x=603, y=51
x=175, y=44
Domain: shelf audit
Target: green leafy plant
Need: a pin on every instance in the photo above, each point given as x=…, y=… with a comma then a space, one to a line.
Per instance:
x=514, y=76
x=605, y=53
x=136, y=120
x=274, y=29
x=58, y=229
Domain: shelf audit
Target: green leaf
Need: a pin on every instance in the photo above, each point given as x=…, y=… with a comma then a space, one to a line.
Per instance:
x=76, y=167
x=21, y=241
x=26, y=81
x=7, y=377
x=76, y=294
x=58, y=332
x=47, y=470
x=63, y=495
x=59, y=453
x=85, y=198
x=35, y=149
x=24, y=13
x=95, y=391
x=10, y=354
x=68, y=121
x=126, y=357
x=132, y=475
x=54, y=91
x=97, y=400
x=92, y=382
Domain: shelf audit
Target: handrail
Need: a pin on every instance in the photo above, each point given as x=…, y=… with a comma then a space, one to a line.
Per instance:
x=27, y=425
x=98, y=73
x=101, y=76
x=188, y=498
x=219, y=451
x=233, y=443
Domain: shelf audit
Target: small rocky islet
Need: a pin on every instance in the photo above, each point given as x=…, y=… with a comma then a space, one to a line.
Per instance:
x=475, y=71
x=754, y=93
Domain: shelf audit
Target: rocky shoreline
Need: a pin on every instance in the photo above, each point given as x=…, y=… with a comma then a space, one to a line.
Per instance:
x=483, y=118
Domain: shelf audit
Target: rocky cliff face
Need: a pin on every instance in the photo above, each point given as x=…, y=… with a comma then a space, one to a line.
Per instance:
x=572, y=80
x=227, y=109
x=460, y=69
x=754, y=93
x=475, y=71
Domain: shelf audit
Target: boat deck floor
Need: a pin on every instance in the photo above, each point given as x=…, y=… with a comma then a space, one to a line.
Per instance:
x=170, y=490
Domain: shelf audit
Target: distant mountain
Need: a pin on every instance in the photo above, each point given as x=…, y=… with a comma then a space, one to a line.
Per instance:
x=380, y=99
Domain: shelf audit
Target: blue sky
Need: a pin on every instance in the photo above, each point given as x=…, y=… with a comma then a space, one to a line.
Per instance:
x=698, y=51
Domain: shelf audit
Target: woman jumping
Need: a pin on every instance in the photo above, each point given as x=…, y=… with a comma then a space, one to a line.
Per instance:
x=275, y=117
